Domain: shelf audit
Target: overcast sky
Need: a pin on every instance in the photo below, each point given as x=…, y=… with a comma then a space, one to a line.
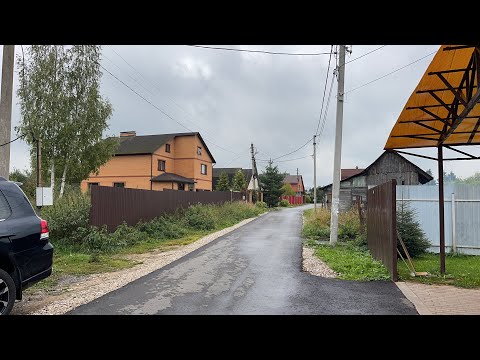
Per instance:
x=274, y=101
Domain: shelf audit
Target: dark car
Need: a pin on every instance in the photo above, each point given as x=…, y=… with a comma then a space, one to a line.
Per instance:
x=26, y=254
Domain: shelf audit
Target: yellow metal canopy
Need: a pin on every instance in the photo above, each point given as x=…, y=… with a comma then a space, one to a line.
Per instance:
x=444, y=109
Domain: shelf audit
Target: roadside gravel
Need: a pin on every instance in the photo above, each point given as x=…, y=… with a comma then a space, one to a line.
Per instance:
x=95, y=286
x=314, y=266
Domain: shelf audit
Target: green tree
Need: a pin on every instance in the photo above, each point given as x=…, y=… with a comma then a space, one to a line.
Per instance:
x=411, y=231
x=61, y=104
x=223, y=184
x=28, y=180
x=271, y=181
x=450, y=178
x=472, y=180
x=239, y=182
x=287, y=190
x=431, y=182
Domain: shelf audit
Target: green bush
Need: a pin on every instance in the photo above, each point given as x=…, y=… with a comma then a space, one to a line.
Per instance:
x=308, y=199
x=68, y=217
x=284, y=203
x=361, y=242
x=411, y=232
x=164, y=227
x=261, y=204
x=200, y=217
x=347, y=231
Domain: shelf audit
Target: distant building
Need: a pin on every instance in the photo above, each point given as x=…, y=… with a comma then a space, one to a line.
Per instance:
x=296, y=181
x=390, y=165
x=180, y=161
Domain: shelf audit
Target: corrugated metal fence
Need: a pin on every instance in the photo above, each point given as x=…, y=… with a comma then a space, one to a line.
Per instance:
x=462, y=221
x=382, y=225
x=293, y=200
x=112, y=206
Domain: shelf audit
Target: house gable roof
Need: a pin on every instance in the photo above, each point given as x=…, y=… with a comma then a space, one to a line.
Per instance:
x=169, y=177
x=292, y=179
x=148, y=144
x=346, y=173
x=426, y=177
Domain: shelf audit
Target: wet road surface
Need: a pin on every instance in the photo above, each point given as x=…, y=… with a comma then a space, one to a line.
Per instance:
x=255, y=269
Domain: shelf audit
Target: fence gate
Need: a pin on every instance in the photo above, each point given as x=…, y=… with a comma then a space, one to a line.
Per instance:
x=382, y=225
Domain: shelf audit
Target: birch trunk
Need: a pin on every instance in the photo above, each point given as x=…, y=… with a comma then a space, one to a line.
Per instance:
x=62, y=186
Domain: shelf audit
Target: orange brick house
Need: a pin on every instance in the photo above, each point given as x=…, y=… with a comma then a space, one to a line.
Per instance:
x=296, y=182
x=178, y=161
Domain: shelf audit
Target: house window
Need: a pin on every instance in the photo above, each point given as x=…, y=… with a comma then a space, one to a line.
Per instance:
x=92, y=184
x=190, y=187
x=119, y=184
x=203, y=169
x=199, y=150
x=161, y=165
x=181, y=186
x=167, y=148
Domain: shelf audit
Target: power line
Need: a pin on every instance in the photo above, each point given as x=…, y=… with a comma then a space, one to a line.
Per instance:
x=294, y=151
x=303, y=157
x=11, y=141
x=324, y=89
x=156, y=107
x=156, y=87
x=163, y=112
x=368, y=53
x=390, y=73
x=326, y=110
x=259, y=51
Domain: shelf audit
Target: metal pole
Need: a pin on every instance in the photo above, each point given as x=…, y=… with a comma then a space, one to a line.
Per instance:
x=39, y=163
x=338, y=149
x=253, y=173
x=314, y=172
x=454, y=232
x=441, y=210
x=6, y=108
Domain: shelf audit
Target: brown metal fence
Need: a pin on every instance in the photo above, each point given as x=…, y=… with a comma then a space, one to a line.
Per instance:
x=112, y=206
x=382, y=225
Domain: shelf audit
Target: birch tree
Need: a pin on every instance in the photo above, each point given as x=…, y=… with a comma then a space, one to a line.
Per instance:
x=61, y=103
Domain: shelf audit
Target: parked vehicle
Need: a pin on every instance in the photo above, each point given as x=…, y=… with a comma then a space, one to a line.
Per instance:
x=26, y=255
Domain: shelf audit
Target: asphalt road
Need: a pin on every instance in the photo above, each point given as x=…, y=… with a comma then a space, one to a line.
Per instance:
x=255, y=269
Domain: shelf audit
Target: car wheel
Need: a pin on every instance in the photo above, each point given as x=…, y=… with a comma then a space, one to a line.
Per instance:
x=7, y=293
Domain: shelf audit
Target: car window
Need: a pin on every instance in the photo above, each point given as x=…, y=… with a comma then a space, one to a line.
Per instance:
x=5, y=211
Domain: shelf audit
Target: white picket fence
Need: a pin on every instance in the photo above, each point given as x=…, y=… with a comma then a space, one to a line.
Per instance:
x=462, y=214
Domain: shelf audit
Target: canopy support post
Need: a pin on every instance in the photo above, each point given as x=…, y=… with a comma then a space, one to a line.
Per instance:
x=441, y=209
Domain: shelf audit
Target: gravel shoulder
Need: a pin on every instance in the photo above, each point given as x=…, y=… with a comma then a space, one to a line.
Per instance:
x=74, y=291
x=314, y=266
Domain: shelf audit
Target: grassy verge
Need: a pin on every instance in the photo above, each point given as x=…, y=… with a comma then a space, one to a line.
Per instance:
x=97, y=251
x=461, y=270
x=349, y=257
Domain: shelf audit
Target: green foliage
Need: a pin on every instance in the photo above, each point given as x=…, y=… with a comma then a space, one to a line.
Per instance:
x=68, y=217
x=239, y=182
x=308, y=199
x=223, y=183
x=351, y=262
x=284, y=203
x=461, y=270
x=200, y=217
x=287, y=190
x=28, y=180
x=261, y=205
x=411, y=231
x=271, y=181
x=471, y=180
x=61, y=104
x=348, y=225
x=317, y=225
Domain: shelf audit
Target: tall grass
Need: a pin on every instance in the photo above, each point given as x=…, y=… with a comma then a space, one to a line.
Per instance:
x=317, y=224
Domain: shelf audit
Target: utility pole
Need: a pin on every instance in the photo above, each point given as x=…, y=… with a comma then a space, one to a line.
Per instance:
x=315, y=172
x=338, y=148
x=253, y=172
x=6, y=108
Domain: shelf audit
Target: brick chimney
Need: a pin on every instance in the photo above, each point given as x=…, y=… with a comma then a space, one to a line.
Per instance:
x=128, y=133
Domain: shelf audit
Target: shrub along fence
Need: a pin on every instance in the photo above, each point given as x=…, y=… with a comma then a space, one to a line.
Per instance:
x=382, y=225
x=113, y=206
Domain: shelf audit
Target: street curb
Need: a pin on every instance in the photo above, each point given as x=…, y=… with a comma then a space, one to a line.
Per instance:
x=414, y=299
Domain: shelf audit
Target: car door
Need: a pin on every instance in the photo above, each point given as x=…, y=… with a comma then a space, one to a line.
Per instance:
x=23, y=229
